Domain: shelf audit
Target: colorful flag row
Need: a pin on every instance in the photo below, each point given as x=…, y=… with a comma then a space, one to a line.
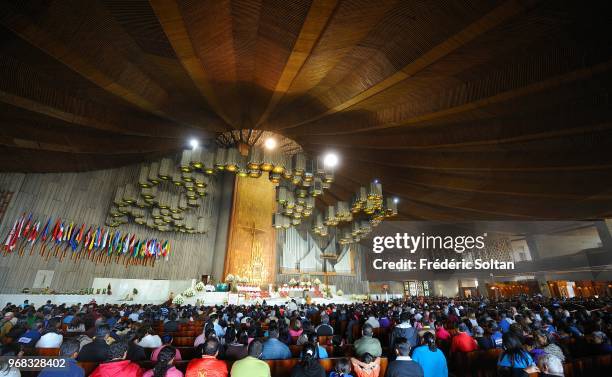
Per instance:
x=71, y=235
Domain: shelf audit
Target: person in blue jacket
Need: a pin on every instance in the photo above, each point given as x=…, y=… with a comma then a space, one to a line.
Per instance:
x=430, y=358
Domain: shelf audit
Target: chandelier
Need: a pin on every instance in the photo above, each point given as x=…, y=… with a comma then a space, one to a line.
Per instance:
x=169, y=192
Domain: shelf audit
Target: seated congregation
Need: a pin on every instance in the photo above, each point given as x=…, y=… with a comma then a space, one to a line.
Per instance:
x=430, y=337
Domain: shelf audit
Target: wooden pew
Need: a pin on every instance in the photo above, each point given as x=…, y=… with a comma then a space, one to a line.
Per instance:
x=48, y=351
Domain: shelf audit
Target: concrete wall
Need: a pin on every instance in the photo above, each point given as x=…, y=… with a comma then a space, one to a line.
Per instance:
x=569, y=242
x=85, y=198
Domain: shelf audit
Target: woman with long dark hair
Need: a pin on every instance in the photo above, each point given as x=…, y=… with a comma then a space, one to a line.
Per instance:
x=165, y=364
x=514, y=359
x=309, y=366
x=430, y=358
x=236, y=344
x=135, y=351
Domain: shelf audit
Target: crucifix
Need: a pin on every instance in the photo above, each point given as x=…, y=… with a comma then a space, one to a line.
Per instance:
x=256, y=254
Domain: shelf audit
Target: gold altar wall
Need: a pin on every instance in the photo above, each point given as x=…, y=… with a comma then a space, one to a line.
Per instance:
x=252, y=240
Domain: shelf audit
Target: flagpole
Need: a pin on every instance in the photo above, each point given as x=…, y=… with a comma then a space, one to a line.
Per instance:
x=64, y=253
x=20, y=252
x=42, y=249
x=49, y=253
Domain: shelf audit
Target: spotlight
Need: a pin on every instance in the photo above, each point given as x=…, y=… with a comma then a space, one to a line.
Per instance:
x=396, y=200
x=376, y=180
x=270, y=143
x=330, y=160
x=194, y=143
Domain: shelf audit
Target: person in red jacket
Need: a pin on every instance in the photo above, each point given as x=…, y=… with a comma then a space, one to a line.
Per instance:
x=117, y=366
x=208, y=365
x=463, y=342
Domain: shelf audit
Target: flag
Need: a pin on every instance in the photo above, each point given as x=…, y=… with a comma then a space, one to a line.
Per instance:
x=80, y=235
x=60, y=233
x=111, y=240
x=34, y=232
x=28, y=228
x=132, y=244
x=87, y=238
x=105, y=239
x=165, y=248
x=113, y=245
x=74, y=240
x=119, y=244
x=45, y=231
x=68, y=232
x=137, y=248
x=126, y=244
x=99, y=238
x=22, y=223
x=143, y=249
x=11, y=237
x=92, y=240
x=56, y=229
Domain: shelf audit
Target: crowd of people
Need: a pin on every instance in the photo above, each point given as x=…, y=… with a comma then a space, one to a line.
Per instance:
x=420, y=336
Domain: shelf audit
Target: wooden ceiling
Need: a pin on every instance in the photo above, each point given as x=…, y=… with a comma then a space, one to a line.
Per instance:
x=472, y=109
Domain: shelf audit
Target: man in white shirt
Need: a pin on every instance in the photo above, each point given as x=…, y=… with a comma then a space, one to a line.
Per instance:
x=372, y=321
x=291, y=307
x=150, y=340
x=134, y=316
x=50, y=340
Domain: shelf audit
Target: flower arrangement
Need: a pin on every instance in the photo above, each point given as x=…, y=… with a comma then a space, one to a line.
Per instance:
x=199, y=287
x=244, y=280
x=189, y=292
x=293, y=282
x=317, y=281
x=229, y=278
x=328, y=292
x=178, y=300
x=339, y=292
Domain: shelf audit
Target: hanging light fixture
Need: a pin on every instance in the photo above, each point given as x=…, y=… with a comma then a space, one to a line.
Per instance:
x=232, y=160
x=255, y=158
x=220, y=158
x=186, y=160
x=165, y=169
x=143, y=176
x=298, y=180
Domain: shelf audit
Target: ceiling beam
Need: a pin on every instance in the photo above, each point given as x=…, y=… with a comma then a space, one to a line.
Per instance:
x=170, y=17
x=398, y=143
x=492, y=19
x=39, y=161
x=537, y=87
x=73, y=117
x=71, y=138
x=584, y=154
x=319, y=14
x=123, y=79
